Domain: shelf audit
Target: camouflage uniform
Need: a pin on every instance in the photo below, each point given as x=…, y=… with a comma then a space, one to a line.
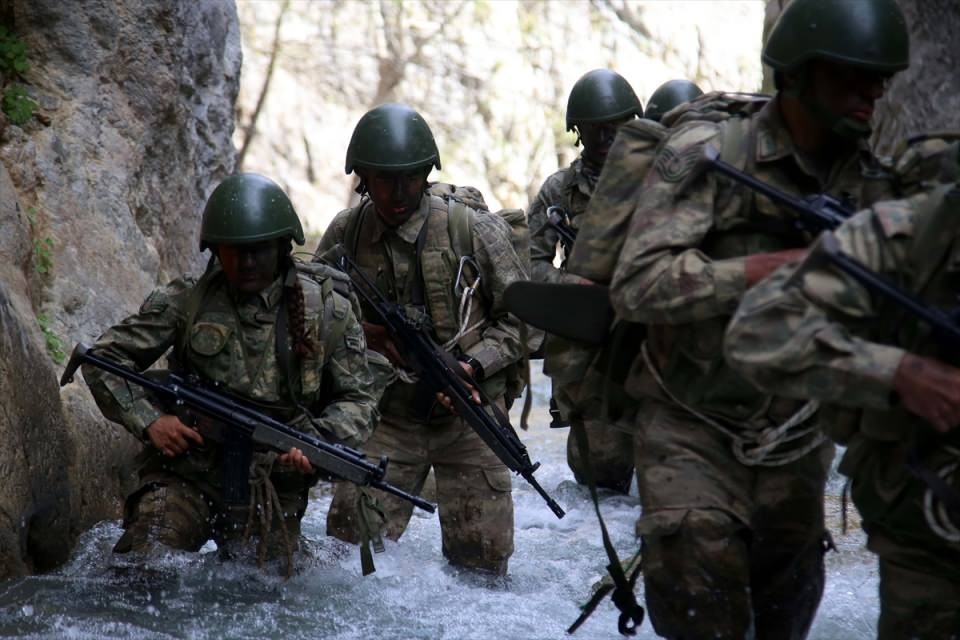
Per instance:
x=180, y=501
x=611, y=451
x=815, y=332
x=473, y=486
x=727, y=545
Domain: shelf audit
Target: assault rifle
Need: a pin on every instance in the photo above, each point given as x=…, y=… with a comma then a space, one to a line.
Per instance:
x=228, y=413
x=946, y=331
x=560, y=221
x=584, y=313
x=944, y=324
x=816, y=213
x=442, y=373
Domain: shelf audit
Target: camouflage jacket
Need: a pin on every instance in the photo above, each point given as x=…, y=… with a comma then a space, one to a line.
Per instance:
x=570, y=189
x=232, y=342
x=389, y=257
x=681, y=269
x=814, y=332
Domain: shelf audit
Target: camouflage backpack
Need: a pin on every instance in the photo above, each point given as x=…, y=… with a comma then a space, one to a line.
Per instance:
x=594, y=379
x=598, y=245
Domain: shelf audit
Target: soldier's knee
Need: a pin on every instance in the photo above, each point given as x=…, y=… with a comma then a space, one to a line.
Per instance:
x=175, y=515
x=342, y=518
x=477, y=519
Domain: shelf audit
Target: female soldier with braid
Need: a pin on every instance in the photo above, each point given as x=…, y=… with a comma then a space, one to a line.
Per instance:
x=255, y=328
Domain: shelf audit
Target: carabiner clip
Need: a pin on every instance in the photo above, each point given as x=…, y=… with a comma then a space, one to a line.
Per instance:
x=458, y=287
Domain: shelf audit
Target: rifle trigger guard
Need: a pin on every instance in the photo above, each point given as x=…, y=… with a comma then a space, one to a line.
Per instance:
x=458, y=288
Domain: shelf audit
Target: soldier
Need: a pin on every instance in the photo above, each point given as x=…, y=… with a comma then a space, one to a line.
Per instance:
x=669, y=95
x=426, y=248
x=599, y=103
x=731, y=480
x=818, y=333
x=223, y=328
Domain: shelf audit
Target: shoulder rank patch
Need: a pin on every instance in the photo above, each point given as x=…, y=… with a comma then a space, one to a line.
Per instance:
x=156, y=302
x=673, y=165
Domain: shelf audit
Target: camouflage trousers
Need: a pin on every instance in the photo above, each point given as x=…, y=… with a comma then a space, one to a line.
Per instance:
x=611, y=456
x=728, y=549
x=175, y=512
x=473, y=490
x=919, y=571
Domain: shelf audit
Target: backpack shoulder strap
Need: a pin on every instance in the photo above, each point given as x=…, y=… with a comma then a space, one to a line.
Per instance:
x=460, y=228
x=194, y=305
x=351, y=233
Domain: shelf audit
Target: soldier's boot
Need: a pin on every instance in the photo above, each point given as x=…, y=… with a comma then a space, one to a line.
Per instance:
x=476, y=516
x=173, y=513
x=611, y=457
x=696, y=573
x=917, y=603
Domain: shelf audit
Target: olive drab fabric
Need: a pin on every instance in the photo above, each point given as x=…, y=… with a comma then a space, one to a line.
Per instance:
x=680, y=272
x=232, y=341
x=870, y=34
x=416, y=432
x=812, y=331
x=246, y=208
x=669, y=95
x=392, y=137
x=601, y=95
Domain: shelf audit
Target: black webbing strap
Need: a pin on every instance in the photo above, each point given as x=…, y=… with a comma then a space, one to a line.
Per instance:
x=940, y=487
x=631, y=613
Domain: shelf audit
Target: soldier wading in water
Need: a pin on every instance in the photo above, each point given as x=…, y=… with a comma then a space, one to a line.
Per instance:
x=426, y=246
x=226, y=328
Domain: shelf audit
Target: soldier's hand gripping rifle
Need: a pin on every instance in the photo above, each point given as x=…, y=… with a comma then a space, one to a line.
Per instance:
x=558, y=219
x=443, y=374
x=815, y=213
x=229, y=413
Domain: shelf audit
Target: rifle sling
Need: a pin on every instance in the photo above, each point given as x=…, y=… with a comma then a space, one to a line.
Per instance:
x=631, y=613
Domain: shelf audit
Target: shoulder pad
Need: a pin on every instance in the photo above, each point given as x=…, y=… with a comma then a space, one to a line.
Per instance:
x=715, y=106
x=319, y=272
x=928, y=158
x=470, y=196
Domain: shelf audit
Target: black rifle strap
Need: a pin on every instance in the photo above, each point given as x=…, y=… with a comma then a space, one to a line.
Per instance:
x=631, y=613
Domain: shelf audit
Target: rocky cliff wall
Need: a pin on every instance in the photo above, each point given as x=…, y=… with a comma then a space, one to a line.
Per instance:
x=100, y=195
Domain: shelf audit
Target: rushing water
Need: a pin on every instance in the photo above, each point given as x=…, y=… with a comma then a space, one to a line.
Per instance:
x=414, y=592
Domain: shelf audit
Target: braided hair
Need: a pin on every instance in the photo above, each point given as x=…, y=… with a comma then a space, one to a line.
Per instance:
x=303, y=344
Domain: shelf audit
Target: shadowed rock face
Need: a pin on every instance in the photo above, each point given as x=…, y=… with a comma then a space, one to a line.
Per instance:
x=139, y=96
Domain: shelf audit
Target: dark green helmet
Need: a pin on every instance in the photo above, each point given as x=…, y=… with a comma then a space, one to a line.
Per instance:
x=669, y=95
x=601, y=95
x=248, y=207
x=865, y=33
x=392, y=137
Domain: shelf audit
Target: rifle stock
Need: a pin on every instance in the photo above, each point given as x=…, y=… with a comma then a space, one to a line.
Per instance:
x=184, y=393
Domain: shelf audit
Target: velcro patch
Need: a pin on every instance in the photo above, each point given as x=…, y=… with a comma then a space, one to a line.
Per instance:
x=156, y=302
x=673, y=165
x=355, y=342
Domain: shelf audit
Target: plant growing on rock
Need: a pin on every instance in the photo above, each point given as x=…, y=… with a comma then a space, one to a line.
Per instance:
x=16, y=103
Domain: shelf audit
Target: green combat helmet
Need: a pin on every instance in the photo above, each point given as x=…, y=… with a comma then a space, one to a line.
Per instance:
x=868, y=34
x=601, y=95
x=248, y=207
x=670, y=94
x=392, y=137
